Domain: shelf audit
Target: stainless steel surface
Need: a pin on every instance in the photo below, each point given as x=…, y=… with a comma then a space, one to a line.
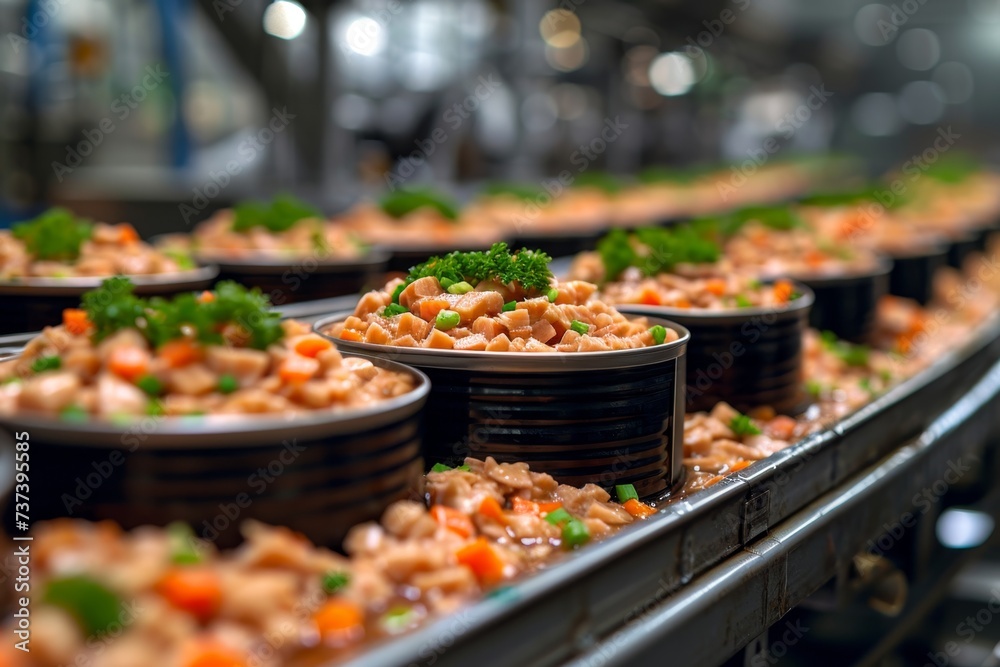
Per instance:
x=229, y=430
x=147, y=284
x=755, y=588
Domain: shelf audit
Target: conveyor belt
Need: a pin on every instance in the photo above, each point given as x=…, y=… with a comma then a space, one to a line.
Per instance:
x=604, y=588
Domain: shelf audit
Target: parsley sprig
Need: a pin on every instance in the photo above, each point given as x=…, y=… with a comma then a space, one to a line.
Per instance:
x=527, y=268
x=113, y=307
x=279, y=215
x=55, y=235
x=655, y=250
x=402, y=202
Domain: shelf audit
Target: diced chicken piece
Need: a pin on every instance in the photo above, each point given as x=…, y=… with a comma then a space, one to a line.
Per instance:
x=543, y=331
x=377, y=334
x=193, y=380
x=81, y=360
x=407, y=518
x=513, y=475
x=724, y=413
x=499, y=344
x=312, y=393
x=246, y=365
x=254, y=401
x=372, y=302
x=115, y=396
x=401, y=561
x=408, y=324
x=419, y=288
x=489, y=327
x=536, y=308
x=523, y=333
x=613, y=515
x=450, y=580
x=406, y=341
x=515, y=319
x=477, y=304
x=592, y=344
x=363, y=368
x=532, y=345
x=440, y=340
x=50, y=392
x=473, y=342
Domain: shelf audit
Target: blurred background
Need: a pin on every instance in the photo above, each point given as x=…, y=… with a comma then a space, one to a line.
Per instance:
x=127, y=109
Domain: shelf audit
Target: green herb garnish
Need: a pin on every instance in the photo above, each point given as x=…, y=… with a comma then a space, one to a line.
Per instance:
x=527, y=268
x=42, y=364
x=394, y=309
x=402, y=202
x=626, y=492
x=440, y=467
x=558, y=517
x=150, y=384
x=852, y=355
x=279, y=215
x=509, y=306
x=228, y=384
x=56, y=235
x=742, y=301
x=183, y=544
x=655, y=250
x=579, y=327
x=95, y=607
x=575, y=534
x=113, y=307
x=74, y=413
x=741, y=425
x=334, y=582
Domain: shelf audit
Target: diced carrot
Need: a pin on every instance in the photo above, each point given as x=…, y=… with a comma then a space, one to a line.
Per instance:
x=312, y=346
x=523, y=505
x=340, y=620
x=814, y=258
x=129, y=362
x=639, y=510
x=490, y=508
x=650, y=297
x=715, y=479
x=429, y=308
x=352, y=335
x=545, y=508
x=179, y=353
x=127, y=233
x=296, y=369
x=482, y=559
x=682, y=303
x=212, y=654
x=903, y=343
x=716, y=286
x=206, y=297
x=781, y=427
x=75, y=321
x=195, y=590
x=453, y=520
x=739, y=465
x=783, y=291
